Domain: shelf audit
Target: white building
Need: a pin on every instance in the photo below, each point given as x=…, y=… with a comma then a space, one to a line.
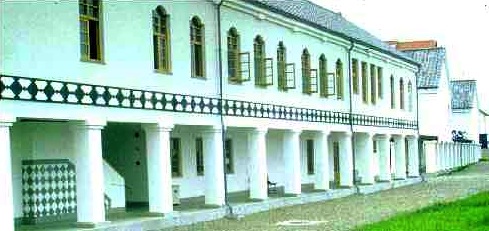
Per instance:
x=111, y=103
x=465, y=109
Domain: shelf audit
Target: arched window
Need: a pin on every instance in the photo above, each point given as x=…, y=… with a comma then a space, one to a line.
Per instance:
x=354, y=73
x=365, y=82
x=306, y=71
x=393, y=93
x=90, y=30
x=410, y=96
x=281, y=66
x=323, y=76
x=373, y=84
x=401, y=94
x=161, y=40
x=259, y=57
x=197, y=44
x=234, y=69
x=339, y=79
x=380, y=85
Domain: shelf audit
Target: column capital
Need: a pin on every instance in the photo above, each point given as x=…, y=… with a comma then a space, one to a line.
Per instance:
x=158, y=127
x=324, y=132
x=211, y=130
x=295, y=130
x=260, y=130
x=384, y=136
x=90, y=124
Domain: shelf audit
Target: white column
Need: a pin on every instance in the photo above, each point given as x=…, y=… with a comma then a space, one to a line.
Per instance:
x=346, y=160
x=213, y=167
x=258, y=153
x=89, y=172
x=445, y=156
x=400, y=150
x=159, y=168
x=384, y=158
x=6, y=193
x=291, y=150
x=413, y=161
x=322, y=161
x=439, y=152
x=364, y=148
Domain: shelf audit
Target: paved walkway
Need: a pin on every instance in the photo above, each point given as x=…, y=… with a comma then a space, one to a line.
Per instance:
x=348, y=212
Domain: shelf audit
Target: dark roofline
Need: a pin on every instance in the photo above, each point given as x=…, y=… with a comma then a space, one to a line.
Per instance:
x=339, y=34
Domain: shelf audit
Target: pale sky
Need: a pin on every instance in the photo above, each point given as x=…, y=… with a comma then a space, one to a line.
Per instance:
x=462, y=27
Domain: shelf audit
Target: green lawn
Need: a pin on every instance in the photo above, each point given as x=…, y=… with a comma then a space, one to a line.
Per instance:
x=471, y=214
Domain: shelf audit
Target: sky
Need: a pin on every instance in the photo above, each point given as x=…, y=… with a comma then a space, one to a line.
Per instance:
x=462, y=27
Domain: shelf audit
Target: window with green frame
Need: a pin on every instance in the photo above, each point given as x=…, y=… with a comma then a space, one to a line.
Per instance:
x=234, y=70
x=90, y=30
x=373, y=84
x=393, y=93
x=401, y=94
x=259, y=58
x=228, y=155
x=306, y=72
x=161, y=40
x=380, y=85
x=323, y=76
x=354, y=73
x=339, y=79
x=197, y=44
x=365, y=82
x=199, y=156
x=281, y=66
x=176, y=157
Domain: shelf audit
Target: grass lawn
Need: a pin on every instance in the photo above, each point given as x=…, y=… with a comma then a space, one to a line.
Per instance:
x=471, y=213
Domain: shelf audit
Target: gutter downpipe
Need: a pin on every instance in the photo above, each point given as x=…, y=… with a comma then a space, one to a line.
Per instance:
x=350, y=79
x=229, y=210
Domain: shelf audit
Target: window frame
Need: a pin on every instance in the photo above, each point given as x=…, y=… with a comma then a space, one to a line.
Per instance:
x=259, y=61
x=98, y=21
x=282, y=67
x=393, y=93
x=380, y=79
x=401, y=94
x=161, y=66
x=410, y=96
x=179, y=167
x=199, y=156
x=229, y=155
x=365, y=88
x=197, y=42
x=306, y=72
x=339, y=80
x=323, y=76
x=310, y=160
x=373, y=84
x=354, y=71
x=234, y=50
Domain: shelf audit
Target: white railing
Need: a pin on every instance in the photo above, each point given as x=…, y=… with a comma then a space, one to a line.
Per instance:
x=444, y=156
x=114, y=186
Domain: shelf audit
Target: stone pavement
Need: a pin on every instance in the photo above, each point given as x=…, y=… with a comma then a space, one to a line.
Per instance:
x=348, y=212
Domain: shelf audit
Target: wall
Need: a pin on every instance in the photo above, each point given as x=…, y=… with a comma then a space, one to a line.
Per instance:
x=466, y=120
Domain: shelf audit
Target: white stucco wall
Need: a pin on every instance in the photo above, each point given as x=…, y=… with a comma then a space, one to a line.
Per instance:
x=466, y=120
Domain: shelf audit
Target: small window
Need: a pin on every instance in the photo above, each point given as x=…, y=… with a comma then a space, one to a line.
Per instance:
x=175, y=157
x=228, y=155
x=90, y=30
x=373, y=84
x=401, y=94
x=161, y=40
x=310, y=156
x=410, y=96
x=234, y=69
x=323, y=76
x=199, y=154
x=393, y=93
x=354, y=70
x=197, y=45
x=281, y=66
x=339, y=79
x=380, y=86
x=365, y=82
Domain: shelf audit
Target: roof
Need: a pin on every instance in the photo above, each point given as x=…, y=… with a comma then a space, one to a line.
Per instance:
x=431, y=61
x=463, y=93
x=321, y=18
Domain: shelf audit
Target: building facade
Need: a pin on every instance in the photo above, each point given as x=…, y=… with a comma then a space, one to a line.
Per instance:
x=107, y=104
x=465, y=109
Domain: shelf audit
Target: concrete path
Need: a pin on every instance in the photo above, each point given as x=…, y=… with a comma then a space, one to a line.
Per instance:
x=348, y=212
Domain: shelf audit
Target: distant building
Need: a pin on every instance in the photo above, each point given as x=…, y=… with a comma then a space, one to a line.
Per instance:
x=465, y=109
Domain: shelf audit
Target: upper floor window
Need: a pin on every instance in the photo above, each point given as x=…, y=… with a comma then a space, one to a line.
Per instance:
x=380, y=85
x=373, y=84
x=354, y=70
x=364, y=82
x=281, y=66
x=339, y=79
x=90, y=30
x=161, y=40
x=393, y=93
x=306, y=72
x=323, y=76
x=233, y=55
x=259, y=57
x=197, y=44
x=410, y=96
x=401, y=94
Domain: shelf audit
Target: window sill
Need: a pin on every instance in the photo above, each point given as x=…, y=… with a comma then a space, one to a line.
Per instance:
x=93, y=61
x=199, y=77
x=163, y=72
